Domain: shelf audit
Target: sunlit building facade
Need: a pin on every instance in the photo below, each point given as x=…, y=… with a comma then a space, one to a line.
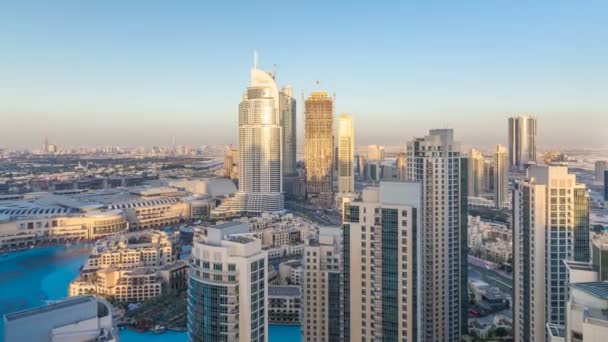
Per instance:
x=550, y=226
x=501, y=177
x=435, y=161
x=260, y=150
x=476, y=164
x=522, y=142
x=346, y=154
x=228, y=288
x=319, y=146
x=382, y=264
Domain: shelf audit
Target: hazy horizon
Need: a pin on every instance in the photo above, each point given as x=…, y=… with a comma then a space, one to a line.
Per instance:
x=129, y=74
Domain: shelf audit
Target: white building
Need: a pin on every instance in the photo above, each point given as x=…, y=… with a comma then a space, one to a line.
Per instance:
x=322, y=295
x=260, y=150
x=382, y=266
x=227, y=295
x=522, y=142
x=587, y=312
x=435, y=162
x=346, y=154
x=550, y=225
x=74, y=319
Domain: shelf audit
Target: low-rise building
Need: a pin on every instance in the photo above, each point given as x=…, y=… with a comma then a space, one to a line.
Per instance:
x=85, y=318
x=284, y=304
x=587, y=312
x=20, y=228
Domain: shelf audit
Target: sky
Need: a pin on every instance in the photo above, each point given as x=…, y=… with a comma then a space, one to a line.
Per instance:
x=131, y=73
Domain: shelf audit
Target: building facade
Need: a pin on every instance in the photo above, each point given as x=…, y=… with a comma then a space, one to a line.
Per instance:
x=599, y=255
x=501, y=177
x=85, y=318
x=322, y=294
x=284, y=304
x=346, y=154
x=600, y=168
x=550, y=226
x=287, y=105
x=587, y=312
x=319, y=146
x=476, y=164
x=382, y=268
x=522, y=142
x=400, y=164
x=228, y=288
x=435, y=162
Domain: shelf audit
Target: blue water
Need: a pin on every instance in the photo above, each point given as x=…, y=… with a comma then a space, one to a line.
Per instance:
x=30, y=278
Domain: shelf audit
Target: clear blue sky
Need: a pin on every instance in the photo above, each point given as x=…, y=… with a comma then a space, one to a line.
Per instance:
x=136, y=72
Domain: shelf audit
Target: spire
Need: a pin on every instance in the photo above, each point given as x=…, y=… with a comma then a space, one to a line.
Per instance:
x=255, y=58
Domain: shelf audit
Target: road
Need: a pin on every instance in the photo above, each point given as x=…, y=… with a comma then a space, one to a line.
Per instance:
x=491, y=277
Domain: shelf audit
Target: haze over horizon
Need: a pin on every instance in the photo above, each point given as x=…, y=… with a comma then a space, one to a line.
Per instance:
x=89, y=74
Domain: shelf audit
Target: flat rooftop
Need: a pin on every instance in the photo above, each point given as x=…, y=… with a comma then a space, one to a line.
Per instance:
x=579, y=266
x=71, y=302
x=597, y=289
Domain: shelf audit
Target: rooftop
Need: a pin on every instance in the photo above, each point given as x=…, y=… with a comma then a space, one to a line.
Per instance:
x=579, y=266
x=597, y=289
x=70, y=302
x=291, y=291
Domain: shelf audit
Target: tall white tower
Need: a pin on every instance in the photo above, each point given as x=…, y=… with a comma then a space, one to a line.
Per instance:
x=260, y=150
x=346, y=154
x=435, y=161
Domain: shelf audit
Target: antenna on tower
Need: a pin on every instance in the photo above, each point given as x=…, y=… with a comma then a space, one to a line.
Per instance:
x=255, y=58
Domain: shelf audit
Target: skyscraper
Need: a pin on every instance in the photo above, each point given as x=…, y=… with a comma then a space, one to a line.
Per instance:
x=522, y=141
x=550, y=225
x=400, y=164
x=227, y=289
x=319, y=146
x=501, y=177
x=435, y=162
x=322, y=295
x=488, y=176
x=260, y=150
x=287, y=107
x=382, y=268
x=346, y=154
x=600, y=167
x=475, y=181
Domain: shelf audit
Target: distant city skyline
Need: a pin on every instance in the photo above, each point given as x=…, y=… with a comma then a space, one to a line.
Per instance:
x=162, y=70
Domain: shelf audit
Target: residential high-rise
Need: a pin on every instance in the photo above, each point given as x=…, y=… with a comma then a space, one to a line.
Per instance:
x=522, y=141
x=346, y=154
x=260, y=150
x=375, y=153
x=550, y=225
x=600, y=168
x=476, y=164
x=322, y=288
x=382, y=264
x=228, y=287
x=287, y=105
x=488, y=176
x=400, y=164
x=319, y=146
x=501, y=177
x=435, y=161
